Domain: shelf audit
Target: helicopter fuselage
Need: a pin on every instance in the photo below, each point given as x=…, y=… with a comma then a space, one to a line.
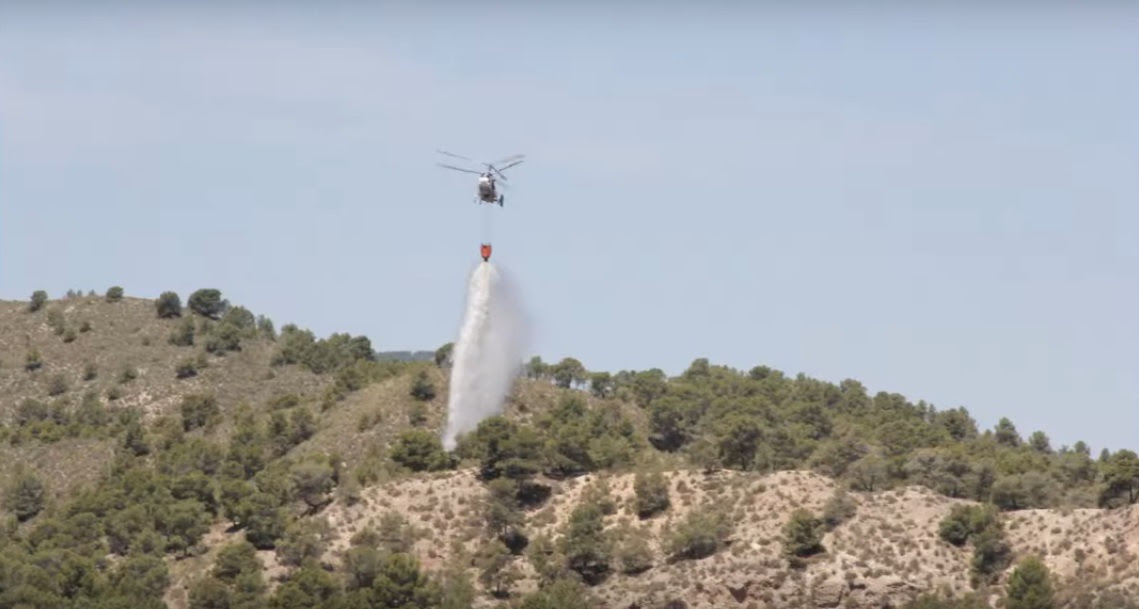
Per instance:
x=487, y=190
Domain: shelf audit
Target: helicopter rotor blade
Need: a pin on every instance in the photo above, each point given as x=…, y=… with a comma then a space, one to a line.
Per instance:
x=457, y=168
x=452, y=154
x=499, y=170
x=509, y=165
x=508, y=159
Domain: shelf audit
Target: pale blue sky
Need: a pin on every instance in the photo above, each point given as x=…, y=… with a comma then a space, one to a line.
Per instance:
x=939, y=204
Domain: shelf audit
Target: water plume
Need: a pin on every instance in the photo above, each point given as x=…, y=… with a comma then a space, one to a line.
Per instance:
x=487, y=357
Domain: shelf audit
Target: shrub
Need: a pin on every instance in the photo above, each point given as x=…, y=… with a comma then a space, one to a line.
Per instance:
x=223, y=337
x=422, y=388
x=24, y=496
x=982, y=526
x=991, y=553
x=420, y=450
x=198, y=411
x=208, y=303
x=651, y=494
x=57, y=385
x=1030, y=586
x=168, y=305
x=443, y=355
x=128, y=374
x=56, y=321
x=587, y=547
x=183, y=335
x=700, y=534
x=32, y=360
x=114, y=294
x=839, y=508
x=965, y=521
x=943, y=601
x=802, y=535
x=39, y=298
x=186, y=368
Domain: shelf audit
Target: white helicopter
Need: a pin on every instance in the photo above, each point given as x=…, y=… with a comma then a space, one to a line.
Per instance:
x=488, y=189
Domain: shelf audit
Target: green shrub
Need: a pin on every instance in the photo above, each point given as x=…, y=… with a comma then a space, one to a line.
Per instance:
x=1030, y=586
x=839, y=508
x=183, y=335
x=420, y=450
x=168, y=305
x=422, y=388
x=199, y=410
x=32, y=360
x=802, y=536
x=24, y=496
x=208, y=303
x=186, y=368
x=651, y=494
x=700, y=534
x=39, y=298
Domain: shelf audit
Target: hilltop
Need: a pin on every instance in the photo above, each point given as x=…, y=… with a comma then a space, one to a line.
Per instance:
x=190, y=454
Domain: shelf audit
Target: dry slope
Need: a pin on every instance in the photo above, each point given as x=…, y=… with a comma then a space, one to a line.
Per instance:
x=887, y=553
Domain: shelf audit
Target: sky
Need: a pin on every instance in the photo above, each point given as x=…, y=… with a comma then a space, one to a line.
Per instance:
x=934, y=202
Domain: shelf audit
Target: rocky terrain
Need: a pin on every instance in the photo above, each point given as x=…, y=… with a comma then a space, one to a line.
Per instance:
x=96, y=391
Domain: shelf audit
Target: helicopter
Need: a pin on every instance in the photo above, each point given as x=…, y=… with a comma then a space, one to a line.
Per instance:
x=488, y=188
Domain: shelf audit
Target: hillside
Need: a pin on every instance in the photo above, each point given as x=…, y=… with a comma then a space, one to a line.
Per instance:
x=163, y=453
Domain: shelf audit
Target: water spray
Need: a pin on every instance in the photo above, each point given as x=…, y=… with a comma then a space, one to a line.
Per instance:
x=487, y=356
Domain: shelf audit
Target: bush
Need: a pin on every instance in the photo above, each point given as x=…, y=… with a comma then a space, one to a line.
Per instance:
x=114, y=294
x=168, y=305
x=965, y=521
x=422, y=388
x=1030, y=586
x=420, y=450
x=838, y=509
x=223, y=337
x=39, y=298
x=24, y=496
x=208, y=303
x=587, y=547
x=941, y=601
x=56, y=321
x=32, y=360
x=443, y=355
x=991, y=554
x=700, y=534
x=183, y=335
x=198, y=411
x=57, y=385
x=651, y=494
x=634, y=554
x=562, y=593
x=186, y=368
x=802, y=535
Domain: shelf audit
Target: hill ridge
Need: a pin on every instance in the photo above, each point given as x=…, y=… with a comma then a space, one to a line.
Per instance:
x=185, y=444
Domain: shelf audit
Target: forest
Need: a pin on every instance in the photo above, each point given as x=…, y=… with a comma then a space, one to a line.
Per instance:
x=240, y=459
